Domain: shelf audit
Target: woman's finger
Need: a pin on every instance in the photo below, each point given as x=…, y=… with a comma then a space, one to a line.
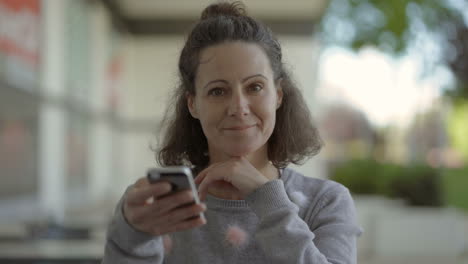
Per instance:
x=146, y=218
x=168, y=203
x=207, y=180
x=201, y=175
x=163, y=224
x=181, y=214
x=160, y=206
x=139, y=195
x=143, y=181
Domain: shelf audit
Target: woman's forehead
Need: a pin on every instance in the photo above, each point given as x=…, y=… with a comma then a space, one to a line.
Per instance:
x=233, y=59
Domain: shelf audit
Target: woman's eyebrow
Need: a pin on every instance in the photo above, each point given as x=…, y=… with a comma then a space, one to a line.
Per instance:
x=243, y=80
x=214, y=81
x=255, y=75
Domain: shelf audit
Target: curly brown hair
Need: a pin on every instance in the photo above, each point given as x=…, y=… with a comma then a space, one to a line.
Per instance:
x=294, y=138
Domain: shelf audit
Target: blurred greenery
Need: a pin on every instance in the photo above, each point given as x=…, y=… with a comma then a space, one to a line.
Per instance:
x=434, y=28
x=417, y=184
x=455, y=183
x=458, y=127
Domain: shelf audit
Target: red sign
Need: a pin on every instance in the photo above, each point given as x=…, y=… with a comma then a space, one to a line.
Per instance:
x=20, y=30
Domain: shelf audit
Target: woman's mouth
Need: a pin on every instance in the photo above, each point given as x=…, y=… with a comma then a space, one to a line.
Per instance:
x=239, y=128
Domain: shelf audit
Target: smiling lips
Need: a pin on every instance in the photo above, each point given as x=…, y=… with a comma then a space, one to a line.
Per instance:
x=239, y=128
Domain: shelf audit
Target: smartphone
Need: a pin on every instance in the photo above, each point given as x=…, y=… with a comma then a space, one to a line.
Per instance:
x=180, y=178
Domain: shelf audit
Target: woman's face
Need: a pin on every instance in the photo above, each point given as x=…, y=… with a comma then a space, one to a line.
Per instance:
x=236, y=98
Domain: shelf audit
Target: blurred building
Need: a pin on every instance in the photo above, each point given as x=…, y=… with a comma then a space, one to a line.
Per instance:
x=83, y=84
x=347, y=133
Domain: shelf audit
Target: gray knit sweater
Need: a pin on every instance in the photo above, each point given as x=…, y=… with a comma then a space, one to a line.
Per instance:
x=295, y=219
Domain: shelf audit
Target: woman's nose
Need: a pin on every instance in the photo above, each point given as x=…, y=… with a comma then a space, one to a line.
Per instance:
x=238, y=105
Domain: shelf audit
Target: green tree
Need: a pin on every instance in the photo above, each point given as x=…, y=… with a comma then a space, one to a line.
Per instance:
x=434, y=28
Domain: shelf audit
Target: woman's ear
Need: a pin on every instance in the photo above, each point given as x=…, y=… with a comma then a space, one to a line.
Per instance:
x=191, y=105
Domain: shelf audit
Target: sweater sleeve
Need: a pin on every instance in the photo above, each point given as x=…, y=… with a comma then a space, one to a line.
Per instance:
x=329, y=236
x=124, y=244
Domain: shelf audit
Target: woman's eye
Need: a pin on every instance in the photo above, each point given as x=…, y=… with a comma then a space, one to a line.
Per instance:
x=255, y=87
x=216, y=92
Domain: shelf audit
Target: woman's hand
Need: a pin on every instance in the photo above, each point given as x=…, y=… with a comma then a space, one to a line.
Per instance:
x=237, y=172
x=151, y=209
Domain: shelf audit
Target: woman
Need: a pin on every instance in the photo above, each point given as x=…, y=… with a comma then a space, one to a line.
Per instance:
x=239, y=121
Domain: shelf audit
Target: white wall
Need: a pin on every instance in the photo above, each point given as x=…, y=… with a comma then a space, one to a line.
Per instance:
x=52, y=165
x=101, y=130
x=150, y=67
x=150, y=73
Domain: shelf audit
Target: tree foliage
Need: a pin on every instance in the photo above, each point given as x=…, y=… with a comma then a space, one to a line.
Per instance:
x=396, y=26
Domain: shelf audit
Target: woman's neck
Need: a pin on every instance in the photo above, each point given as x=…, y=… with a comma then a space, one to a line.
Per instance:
x=259, y=159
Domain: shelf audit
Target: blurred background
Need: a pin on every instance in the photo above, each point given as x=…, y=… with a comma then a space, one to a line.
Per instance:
x=83, y=84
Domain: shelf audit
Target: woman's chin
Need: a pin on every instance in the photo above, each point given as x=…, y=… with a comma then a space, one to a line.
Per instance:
x=240, y=151
x=235, y=148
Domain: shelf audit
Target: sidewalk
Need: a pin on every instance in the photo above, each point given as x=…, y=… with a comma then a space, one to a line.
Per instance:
x=415, y=260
